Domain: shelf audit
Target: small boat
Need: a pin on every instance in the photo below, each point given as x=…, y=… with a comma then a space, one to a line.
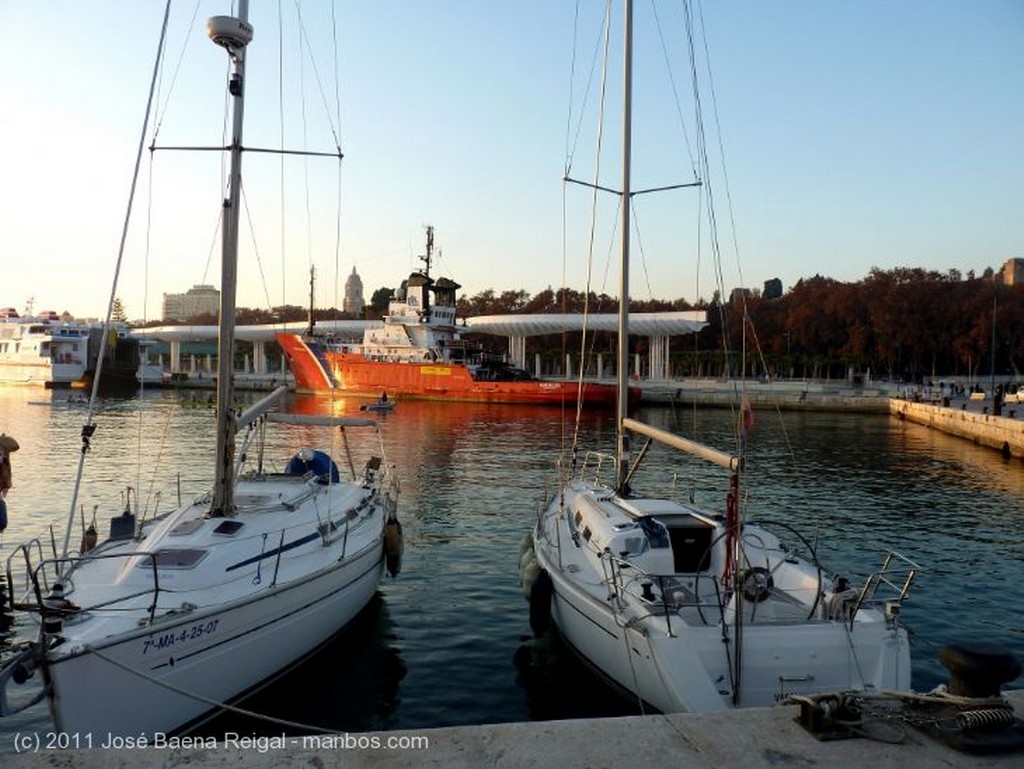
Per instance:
x=382, y=406
x=421, y=352
x=691, y=608
x=159, y=625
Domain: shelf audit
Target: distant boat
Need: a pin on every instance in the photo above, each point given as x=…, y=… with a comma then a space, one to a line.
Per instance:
x=156, y=627
x=381, y=404
x=420, y=353
x=689, y=608
x=150, y=373
x=42, y=350
x=45, y=350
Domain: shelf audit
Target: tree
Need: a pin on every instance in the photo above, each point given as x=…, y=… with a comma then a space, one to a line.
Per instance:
x=118, y=314
x=380, y=299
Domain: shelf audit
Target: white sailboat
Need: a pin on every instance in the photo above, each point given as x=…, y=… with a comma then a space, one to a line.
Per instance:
x=691, y=609
x=155, y=628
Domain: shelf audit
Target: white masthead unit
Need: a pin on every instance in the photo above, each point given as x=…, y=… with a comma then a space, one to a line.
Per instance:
x=229, y=32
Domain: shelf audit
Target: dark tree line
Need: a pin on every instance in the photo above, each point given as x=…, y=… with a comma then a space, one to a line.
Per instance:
x=905, y=324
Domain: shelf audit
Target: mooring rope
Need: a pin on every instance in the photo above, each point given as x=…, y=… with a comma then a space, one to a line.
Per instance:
x=209, y=700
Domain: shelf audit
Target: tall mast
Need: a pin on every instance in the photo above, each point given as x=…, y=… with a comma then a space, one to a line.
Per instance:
x=622, y=381
x=233, y=35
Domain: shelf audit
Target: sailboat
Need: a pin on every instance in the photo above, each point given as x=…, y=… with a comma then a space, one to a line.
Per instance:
x=167, y=620
x=692, y=609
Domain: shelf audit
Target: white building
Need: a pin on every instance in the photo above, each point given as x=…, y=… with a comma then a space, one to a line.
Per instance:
x=353, y=303
x=198, y=300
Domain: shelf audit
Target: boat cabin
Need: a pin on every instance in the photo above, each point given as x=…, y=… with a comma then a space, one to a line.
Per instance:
x=660, y=536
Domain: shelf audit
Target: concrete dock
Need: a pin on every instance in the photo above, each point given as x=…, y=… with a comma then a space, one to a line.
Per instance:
x=755, y=738
x=1004, y=433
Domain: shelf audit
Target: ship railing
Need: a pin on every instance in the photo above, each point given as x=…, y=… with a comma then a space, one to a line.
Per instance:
x=667, y=596
x=888, y=587
x=595, y=463
x=44, y=577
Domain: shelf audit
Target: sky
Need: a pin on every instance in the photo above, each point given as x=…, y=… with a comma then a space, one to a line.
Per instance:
x=841, y=137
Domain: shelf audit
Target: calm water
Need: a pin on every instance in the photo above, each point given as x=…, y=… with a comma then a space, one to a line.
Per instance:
x=448, y=641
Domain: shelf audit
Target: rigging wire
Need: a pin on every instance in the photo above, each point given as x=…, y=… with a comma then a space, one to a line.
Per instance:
x=593, y=226
x=280, y=124
x=90, y=426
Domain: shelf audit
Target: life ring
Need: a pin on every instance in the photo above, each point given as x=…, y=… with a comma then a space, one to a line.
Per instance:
x=757, y=584
x=541, y=593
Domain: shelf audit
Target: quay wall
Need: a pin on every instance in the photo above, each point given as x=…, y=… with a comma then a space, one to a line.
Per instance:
x=759, y=738
x=787, y=396
x=1003, y=433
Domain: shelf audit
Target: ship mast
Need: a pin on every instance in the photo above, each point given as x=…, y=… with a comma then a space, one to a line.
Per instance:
x=622, y=378
x=233, y=35
x=430, y=249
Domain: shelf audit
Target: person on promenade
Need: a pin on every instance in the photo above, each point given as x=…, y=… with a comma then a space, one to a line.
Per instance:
x=7, y=445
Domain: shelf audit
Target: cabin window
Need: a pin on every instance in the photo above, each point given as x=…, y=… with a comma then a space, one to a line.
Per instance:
x=175, y=558
x=228, y=527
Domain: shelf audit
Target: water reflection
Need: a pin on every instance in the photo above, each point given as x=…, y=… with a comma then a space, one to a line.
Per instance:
x=448, y=642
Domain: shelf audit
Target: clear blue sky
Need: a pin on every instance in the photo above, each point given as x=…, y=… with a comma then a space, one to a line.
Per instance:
x=856, y=135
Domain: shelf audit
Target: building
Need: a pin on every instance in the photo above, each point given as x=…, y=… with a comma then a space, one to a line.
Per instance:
x=1013, y=272
x=353, y=302
x=198, y=300
x=772, y=289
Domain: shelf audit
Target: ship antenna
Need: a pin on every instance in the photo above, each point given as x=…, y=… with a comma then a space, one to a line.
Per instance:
x=430, y=248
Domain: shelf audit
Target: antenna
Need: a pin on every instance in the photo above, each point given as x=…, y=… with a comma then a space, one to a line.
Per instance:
x=430, y=248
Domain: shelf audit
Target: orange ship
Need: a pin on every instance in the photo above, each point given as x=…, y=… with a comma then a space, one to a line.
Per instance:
x=420, y=353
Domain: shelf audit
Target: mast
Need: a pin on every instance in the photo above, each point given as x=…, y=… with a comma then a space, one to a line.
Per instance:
x=430, y=249
x=622, y=379
x=234, y=35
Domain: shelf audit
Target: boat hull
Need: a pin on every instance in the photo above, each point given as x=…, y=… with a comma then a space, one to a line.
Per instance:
x=41, y=374
x=217, y=655
x=353, y=374
x=682, y=659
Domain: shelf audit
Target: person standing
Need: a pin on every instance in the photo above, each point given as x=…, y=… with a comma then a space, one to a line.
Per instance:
x=7, y=446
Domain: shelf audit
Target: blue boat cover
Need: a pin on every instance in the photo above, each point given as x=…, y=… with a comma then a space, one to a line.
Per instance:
x=317, y=462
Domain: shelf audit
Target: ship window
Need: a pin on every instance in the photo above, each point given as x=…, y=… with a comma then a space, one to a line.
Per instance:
x=586, y=533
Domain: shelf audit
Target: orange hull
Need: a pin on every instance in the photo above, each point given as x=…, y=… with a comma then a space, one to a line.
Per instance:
x=317, y=370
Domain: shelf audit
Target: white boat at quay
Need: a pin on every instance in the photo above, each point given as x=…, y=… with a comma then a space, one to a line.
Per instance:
x=168, y=619
x=689, y=608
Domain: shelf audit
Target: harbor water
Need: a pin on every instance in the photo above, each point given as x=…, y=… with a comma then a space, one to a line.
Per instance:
x=447, y=642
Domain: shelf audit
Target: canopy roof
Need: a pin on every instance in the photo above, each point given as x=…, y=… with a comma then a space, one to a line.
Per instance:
x=640, y=324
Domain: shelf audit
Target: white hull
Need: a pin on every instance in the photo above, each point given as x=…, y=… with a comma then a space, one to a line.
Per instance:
x=214, y=655
x=167, y=620
x=45, y=374
x=677, y=658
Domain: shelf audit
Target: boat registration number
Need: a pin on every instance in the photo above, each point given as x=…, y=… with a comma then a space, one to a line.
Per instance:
x=167, y=640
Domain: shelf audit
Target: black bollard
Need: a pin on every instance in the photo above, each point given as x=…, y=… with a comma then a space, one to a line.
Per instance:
x=978, y=670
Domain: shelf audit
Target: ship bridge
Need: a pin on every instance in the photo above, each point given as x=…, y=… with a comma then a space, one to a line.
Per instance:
x=658, y=327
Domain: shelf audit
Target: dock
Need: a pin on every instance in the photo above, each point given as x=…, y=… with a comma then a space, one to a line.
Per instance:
x=746, y=739
x=970, y=420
